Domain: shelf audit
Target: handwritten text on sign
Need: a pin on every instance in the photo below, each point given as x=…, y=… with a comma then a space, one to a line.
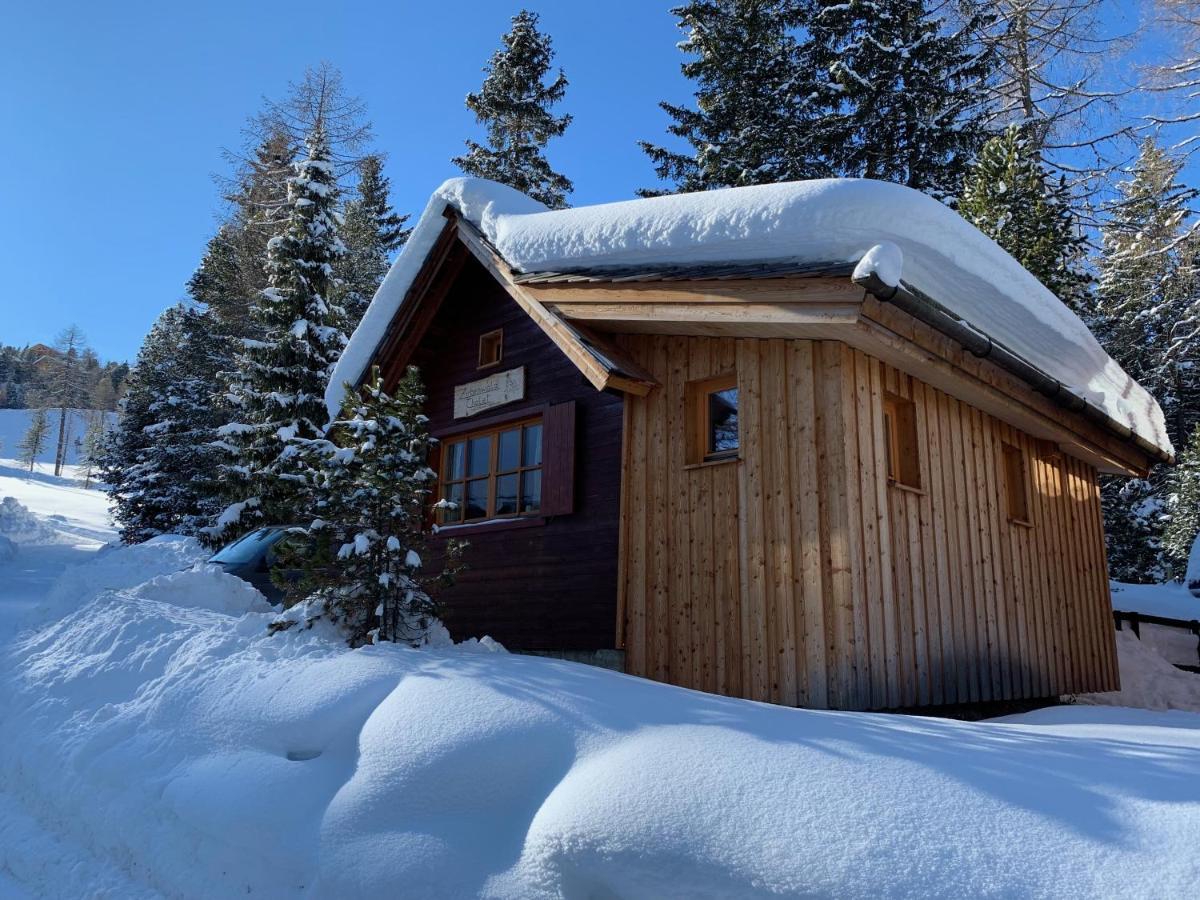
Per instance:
x=495, y=390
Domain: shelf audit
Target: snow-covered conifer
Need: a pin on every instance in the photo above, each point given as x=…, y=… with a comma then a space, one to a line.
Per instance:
x=371, y=231
x=514, y=106
x=894, y=92
x=1010, y=197
x=362, y=555
x=159, y=460
x=1183, y=504
x=277, y=397
x=746, y=123
x=36, y=436
x=1146, y=315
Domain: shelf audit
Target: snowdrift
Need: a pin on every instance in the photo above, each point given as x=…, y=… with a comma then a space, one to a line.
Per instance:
x=160, y=726
x=890, y=229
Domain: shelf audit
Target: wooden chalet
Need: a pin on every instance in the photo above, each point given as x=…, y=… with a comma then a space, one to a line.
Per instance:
x=777, y=478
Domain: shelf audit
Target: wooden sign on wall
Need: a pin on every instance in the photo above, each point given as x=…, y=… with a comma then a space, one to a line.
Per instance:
x=495, y=390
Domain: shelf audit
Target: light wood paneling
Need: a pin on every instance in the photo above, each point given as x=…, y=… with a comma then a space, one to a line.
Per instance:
x=798, y=574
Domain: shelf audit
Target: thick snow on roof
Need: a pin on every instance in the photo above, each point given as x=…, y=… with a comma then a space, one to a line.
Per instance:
x=924, y=243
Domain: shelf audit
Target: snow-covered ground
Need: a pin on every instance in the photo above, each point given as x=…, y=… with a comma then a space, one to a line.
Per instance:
x=157, y=742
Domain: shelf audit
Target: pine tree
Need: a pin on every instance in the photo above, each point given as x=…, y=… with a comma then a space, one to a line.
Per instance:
x=894, y=92
x=1183, y=504
x=34, y=441
x=514, y=105
x=159, y=460
x=371, y=231
x=747, y=124
x=361, y=557
x=278, y=399
x=1010, y=197
x=1148, y=301
x=68, y=385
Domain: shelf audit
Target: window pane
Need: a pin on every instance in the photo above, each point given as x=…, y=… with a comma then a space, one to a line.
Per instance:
x=479, y=455
x=531, y=491
x=477, y=496
x=723, y=421
x=506, y=495
x=510, y=449
x=454, y=493
x=532, y=455
x=454, y=461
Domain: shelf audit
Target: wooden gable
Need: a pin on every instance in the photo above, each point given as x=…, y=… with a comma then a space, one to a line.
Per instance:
x=604, y=365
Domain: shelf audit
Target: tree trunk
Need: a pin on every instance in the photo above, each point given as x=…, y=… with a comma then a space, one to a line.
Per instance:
x=60, y=454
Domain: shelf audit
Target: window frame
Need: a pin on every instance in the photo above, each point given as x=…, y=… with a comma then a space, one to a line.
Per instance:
x=493, y=430
x=902, y=444
x=1018, y=500
x=699, y=422
x=498, y=336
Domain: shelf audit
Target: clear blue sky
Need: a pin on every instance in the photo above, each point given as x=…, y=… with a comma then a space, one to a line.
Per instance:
x=116, y=114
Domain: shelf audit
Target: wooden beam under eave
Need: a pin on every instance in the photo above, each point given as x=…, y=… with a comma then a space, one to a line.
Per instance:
x=712, y=311
x=604, y=365
x=795, y=289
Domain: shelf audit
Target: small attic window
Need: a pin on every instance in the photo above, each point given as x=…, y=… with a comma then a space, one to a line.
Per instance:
x=900, y=441
x=491, y=348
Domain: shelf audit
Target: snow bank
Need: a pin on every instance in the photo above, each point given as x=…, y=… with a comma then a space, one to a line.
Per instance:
x=118, y=566
x=1170, y=600
x=206, y=758
x=8, y=550
x=914, y=237
x=18, y=524
x=1148, y=681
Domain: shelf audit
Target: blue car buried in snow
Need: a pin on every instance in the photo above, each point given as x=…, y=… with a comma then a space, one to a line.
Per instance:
x=251, y=558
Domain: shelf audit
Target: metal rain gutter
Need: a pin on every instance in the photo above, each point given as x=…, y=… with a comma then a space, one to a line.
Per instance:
x=924, y=308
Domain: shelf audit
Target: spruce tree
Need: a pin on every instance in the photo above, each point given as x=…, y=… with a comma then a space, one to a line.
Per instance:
x=1010, y=197
x=746, y=127
x=514, y=106
x=34, y=441
x=278, y=397
x=893, y=92
x=1147, y=304
x=361, y=556
x=371, y=231
x=159, y=460
x=1183, y=505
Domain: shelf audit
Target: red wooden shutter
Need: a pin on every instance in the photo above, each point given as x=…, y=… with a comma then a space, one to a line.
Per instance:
x=558, y=460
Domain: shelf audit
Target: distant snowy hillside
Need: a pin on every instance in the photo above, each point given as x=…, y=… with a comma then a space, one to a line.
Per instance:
x=15, y=422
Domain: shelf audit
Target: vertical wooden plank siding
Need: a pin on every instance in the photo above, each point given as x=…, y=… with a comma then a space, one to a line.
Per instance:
x=799, y=574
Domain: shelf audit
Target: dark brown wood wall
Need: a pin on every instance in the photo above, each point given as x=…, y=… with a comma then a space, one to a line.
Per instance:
x=552, y=586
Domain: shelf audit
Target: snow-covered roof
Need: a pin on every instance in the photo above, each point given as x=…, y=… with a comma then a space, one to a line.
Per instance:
x=895, y=232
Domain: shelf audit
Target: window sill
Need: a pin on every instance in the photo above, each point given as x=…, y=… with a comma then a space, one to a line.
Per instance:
x=713, y=462
x=1021, y=522
x=489, y=526
x=907, y=488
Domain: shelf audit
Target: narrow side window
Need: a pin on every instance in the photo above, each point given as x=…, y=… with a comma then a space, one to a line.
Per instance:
x=712, y=413
x=1016, y=484
x=900, y=441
